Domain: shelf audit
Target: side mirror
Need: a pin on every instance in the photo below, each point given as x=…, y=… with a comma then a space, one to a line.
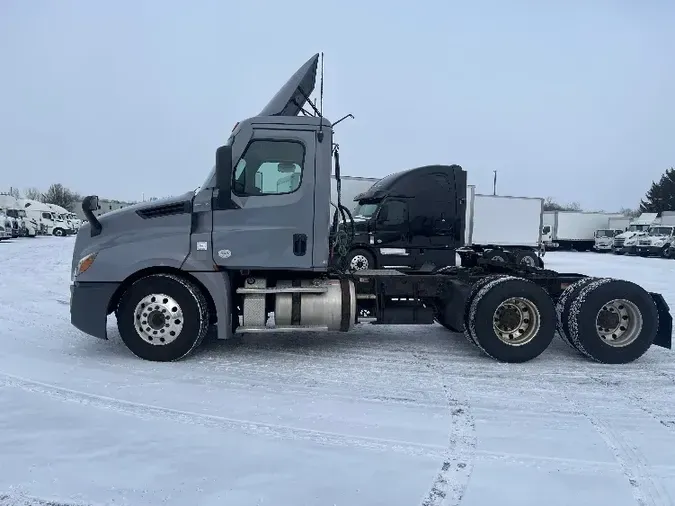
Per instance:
x=90, y=203
x=224, y=177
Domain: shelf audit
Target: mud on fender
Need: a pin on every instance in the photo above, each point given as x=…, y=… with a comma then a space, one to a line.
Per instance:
x=664, y=334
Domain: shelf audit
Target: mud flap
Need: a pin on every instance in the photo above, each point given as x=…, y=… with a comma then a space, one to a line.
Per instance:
x=664, y=335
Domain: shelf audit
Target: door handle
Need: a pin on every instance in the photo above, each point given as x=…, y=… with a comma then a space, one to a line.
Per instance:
x=299, y=244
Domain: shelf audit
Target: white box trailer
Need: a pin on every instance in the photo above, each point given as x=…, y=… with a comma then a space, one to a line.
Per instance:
x=503, y=227
x=573, y=229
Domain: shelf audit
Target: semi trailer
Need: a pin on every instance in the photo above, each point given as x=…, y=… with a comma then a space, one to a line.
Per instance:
x=242, y=256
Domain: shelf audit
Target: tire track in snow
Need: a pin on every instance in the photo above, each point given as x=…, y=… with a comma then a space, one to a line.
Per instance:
x=452, y=479
x=274, y=431
x=634, y=466
x=25, y=500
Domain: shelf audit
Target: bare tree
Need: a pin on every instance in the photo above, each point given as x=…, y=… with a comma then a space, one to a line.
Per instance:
x=552, y=205
x=630, y=213
x=33, y=194
x=14, y=192
x=61, y=196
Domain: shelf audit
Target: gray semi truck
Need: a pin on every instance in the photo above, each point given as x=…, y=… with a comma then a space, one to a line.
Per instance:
x=257, y=249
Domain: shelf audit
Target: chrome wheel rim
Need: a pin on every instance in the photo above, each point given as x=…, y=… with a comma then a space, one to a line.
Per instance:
x=359, y=263
x=516, y=321
x=158, y=319
x=619, y=323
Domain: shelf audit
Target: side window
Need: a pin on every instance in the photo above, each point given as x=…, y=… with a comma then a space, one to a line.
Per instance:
x=47, y=216
x=393, y=213
x=269, y=168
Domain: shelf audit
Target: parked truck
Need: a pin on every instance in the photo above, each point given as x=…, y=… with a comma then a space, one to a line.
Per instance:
x=567, y=230
x=248, y=258
x=604, y=237
x=627, y=241
x=502, y=228
x=22, y=225
x=660, y=238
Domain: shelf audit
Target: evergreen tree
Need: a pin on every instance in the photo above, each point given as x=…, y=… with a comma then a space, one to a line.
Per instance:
x=660, y=196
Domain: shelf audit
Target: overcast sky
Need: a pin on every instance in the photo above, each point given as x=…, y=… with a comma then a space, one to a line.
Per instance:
x=569, y=99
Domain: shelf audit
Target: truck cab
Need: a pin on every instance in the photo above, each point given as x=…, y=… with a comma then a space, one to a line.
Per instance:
x=604, y=239
x=657, y=241
x=627, y=242
x=409, y=218
x=5, y=226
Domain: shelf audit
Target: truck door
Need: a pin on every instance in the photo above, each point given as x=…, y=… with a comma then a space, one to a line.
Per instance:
x=392, y=232
x=273, y=186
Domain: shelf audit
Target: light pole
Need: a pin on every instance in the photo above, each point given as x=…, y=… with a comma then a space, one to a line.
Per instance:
x=494, y=183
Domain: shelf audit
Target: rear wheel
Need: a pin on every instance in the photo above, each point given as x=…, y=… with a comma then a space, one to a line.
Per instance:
x=496, y=255
x=475, y=288
x=613, y=321
x=511, y=319
x=563, y=306
x=162, y=317
x=528, y=258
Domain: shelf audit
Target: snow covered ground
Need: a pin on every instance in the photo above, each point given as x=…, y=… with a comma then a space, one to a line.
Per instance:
x=384, y=416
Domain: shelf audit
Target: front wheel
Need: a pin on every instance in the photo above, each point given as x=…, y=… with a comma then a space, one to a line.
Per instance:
x=360, y=260
x=162, y=317
x=59, y=232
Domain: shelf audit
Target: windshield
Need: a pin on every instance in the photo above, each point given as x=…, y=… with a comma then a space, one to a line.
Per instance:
x=637, y=228
x=22, y=213
x=365, y=210
x=605, y=233
x=660, y=230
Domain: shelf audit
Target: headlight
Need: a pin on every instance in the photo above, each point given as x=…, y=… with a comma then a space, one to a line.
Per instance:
x=84, y=264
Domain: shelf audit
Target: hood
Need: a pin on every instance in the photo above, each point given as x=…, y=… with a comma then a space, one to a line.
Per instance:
x=293, y=95
x=147, y=206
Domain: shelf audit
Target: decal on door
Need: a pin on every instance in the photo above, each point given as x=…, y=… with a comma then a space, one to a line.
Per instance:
x=224, y=253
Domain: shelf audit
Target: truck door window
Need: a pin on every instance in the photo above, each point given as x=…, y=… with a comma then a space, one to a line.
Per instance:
x=269, y=168
x=393, y=213
x=47, y=216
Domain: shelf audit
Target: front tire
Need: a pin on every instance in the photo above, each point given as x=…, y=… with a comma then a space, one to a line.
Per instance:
x=360, y=260
x=58, y=232
x=162, y=317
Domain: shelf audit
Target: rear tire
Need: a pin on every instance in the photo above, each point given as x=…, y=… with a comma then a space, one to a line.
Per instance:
x=512, y=319
x=528, y=258
x=563, y=307
x=496, y=255
x=162, y=317
x=613, y=321
x=475, y=288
